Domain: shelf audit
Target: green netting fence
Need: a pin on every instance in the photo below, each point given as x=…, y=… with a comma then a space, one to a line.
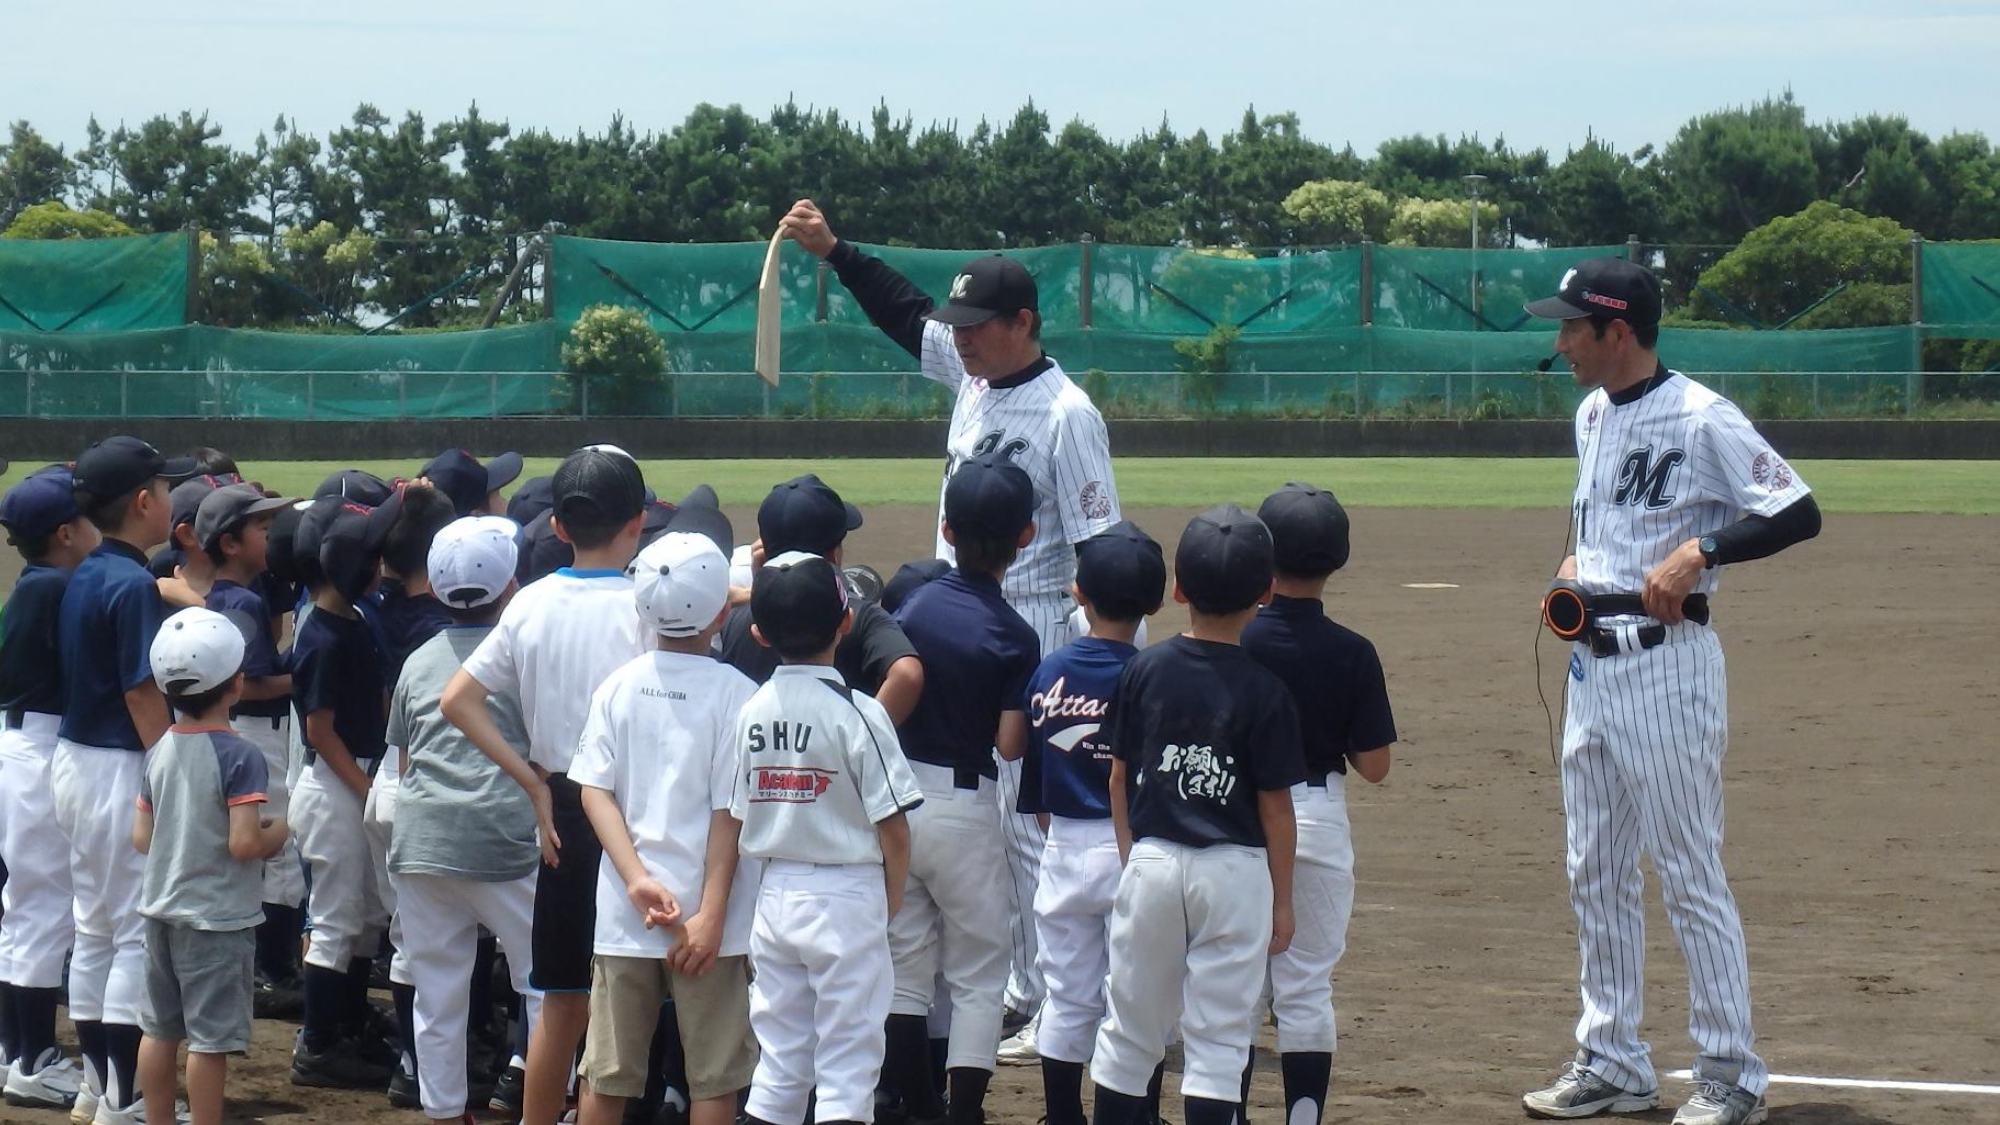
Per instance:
x=1335, y=332
x=99, y=285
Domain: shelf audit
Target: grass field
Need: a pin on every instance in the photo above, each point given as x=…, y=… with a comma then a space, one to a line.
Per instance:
x=1938, y=487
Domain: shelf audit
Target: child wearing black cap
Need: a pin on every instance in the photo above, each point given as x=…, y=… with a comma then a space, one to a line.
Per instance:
x=113, y=713
x=978, y=655
x=1335, y=679
x=1121, y=578
x=36, y=929
x=1205, y=750
x=556, y=642
x=339, y=690
x=874, y=656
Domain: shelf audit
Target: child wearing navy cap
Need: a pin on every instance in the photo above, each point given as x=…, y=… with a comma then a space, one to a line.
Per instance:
x=36, y=929
x=1335, y=679
x=1205, y=751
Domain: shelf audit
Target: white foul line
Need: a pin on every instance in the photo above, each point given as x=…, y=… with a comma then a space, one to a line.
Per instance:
x=1868, y=1084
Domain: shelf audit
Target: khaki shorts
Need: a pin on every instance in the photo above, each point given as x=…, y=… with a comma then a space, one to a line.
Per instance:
x=713, y=1011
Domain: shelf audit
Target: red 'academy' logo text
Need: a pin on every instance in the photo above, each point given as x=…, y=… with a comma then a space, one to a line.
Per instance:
x=788, y=786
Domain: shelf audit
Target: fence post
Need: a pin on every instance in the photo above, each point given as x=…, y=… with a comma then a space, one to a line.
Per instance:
x=309, y=396
x=1913, y=383
x=1631, y=247
x=493, y=392
x=1367, y=287
x=193, y=303
x=124, y=394
x=402, y=394
x=1086, y=247
x=583, y=398
x=30, y=411
x=819, y=293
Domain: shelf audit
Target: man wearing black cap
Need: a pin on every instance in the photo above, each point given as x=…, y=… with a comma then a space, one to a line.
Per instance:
x=985, y=345
x=1674, y=483
x=113, y=713
x=43, y=524
x=803, y=514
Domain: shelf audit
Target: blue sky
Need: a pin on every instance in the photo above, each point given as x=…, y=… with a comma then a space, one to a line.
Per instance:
x=1355, y=73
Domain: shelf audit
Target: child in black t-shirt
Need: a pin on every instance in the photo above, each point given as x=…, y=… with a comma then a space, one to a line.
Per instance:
x=1205, y=750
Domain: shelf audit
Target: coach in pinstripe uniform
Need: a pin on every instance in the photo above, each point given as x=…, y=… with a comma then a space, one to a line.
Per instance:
x=985, y=345
x=1673, y=484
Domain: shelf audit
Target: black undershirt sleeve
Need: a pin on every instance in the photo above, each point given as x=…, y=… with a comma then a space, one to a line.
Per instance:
x=897, y=307
x=1757, y=537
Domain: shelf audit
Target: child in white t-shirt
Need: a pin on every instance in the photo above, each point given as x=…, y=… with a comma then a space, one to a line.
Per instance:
x=656, y=765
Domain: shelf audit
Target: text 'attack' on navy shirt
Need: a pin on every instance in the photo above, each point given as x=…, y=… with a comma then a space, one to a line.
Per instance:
x=110, y=613
x=1334, y=676
x=247, y=608
x=978, y=654
x=30, y=663
x=337, y=667
x=1202, y=728
x=1068, y=768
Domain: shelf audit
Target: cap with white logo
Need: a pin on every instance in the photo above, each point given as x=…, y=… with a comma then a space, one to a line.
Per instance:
x=472, y=561
x=680, y=582
x=195, y=650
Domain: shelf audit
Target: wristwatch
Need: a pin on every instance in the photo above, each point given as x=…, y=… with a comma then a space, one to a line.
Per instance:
x=1711, y=556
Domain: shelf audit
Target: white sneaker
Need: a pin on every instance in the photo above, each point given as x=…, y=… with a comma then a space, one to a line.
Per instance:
x=1019, y=1049
x=1721, y=1103
x=135, y=1114
x=85, y=1109
x=52, y=1085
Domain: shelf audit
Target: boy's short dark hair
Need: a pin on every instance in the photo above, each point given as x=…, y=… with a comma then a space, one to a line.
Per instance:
x=209, y=461
x=487, y=614
x=985, y=556
x=199, y=702
x=426, y=511
x=33, y=548
x=107, y=514
x=214, y=550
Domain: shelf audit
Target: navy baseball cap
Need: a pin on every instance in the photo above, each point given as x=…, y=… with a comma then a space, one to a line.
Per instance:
x=361, y=487
x=350, y=542
x=461, y=477
x=118, y=465
x=909, y=578
x=530, y=500
x=1224, y=560
x=184, y=502
x=37, y=506
x=698, y=513
x=989, y=497
x=225, y=509
x=600, y=482
x=803, y=514
x=988, y=287
x=1122, y=570
x=280, y=545
x=797, y=599
x=1308, y=529
x=542, y=551
x=1610, y=287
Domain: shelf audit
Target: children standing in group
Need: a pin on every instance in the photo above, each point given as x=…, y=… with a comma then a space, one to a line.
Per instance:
x=1205, y=746
x=201, y=828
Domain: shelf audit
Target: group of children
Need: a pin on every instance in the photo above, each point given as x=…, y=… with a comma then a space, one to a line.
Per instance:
x=737, y=838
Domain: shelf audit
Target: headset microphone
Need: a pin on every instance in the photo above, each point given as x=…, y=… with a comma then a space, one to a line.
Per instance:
x=1544, y=366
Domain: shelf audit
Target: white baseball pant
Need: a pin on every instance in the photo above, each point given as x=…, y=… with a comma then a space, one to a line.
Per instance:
x=284, y=873
x=1190, y=930
x=378, y=820
x=442, y=917
x=345, y=907
x=37, y=926
x=1644, y=734
x=1073, y=902
x=950, y=919
x=1300, y=989
x=96, y=792
x=820, y=990
x=1049, y=616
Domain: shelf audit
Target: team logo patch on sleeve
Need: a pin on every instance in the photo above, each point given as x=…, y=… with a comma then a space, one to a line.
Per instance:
x=1769, y=469
x=788, y=785
x=1095, y=500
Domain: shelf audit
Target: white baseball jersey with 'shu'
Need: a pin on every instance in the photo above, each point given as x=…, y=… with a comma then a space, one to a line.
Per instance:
x=1680, y=463
x=1050, y=428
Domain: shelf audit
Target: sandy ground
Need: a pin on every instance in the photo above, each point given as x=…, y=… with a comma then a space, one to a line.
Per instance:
x=1862, y=845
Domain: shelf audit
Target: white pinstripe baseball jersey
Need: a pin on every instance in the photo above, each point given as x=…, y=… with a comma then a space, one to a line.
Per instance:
x=1050, y=428
x=1679, y=463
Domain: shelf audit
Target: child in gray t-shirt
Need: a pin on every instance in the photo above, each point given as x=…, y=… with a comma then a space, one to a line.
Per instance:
x=205, y=846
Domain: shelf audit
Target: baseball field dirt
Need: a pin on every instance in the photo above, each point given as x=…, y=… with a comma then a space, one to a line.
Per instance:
x=1863, y=845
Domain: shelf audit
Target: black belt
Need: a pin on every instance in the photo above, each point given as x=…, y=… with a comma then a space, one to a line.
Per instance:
x=964, y=777
x=1318, y=780
x=16, y=717
x=1695, y=608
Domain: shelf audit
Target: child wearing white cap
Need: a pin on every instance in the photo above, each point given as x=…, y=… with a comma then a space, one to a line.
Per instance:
x=657, y=766
x=199, y=825
x=464, y=852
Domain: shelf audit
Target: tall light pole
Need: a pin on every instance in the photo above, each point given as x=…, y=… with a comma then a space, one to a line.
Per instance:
x=1473, y=183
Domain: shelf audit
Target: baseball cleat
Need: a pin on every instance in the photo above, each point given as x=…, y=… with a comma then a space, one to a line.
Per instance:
x=506, y=1097
x=1582, y=1092
x=85, y=1109
x=1719, y=1103
x=1019, y=1048
x=135, y=1114
x=339, y=1067
x=52, y=1085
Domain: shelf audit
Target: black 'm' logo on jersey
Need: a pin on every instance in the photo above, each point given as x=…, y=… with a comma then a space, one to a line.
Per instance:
x=1641, y=480
x=1011, y=451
